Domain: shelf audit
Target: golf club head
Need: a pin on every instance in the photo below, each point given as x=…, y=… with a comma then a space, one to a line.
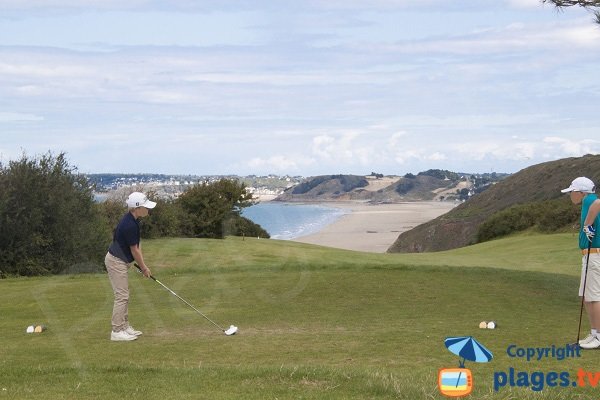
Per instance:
x=231, y=331
x=574, y=346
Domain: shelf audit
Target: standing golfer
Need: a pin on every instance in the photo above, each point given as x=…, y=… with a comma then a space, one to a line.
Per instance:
x=582, y=192
x=125, y=249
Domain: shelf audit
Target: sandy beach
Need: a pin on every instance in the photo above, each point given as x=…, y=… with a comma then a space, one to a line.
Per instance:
x=375, y=227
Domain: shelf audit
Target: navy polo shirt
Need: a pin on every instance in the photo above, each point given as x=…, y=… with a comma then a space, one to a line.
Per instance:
x=126, y=234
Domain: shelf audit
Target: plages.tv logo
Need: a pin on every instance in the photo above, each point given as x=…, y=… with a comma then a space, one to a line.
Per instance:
x=458, y=382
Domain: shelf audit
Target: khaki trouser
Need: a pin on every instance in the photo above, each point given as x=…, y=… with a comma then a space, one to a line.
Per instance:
x=117, y=273
x=592, y=283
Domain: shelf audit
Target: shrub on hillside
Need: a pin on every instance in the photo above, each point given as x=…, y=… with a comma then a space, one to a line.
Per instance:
x=351, y=182
x=348, y=182
x=441, y=174
x=405, y=186
x=558, y=214
x=511, y=220
x=546, y=216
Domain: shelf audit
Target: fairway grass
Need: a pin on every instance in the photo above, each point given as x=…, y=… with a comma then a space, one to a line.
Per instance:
x=314, y=323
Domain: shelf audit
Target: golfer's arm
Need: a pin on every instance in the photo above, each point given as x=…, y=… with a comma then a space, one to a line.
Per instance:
x=136, y=252
x=592, y=213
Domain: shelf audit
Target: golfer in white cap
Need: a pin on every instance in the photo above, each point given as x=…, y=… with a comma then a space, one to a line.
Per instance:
x=125, y=249
x=582, y=191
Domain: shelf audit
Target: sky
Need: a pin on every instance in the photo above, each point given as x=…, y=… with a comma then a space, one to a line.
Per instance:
x=298, y=87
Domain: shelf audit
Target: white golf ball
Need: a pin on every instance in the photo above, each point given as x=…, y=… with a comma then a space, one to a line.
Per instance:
x=491, y=325
x=30, y=329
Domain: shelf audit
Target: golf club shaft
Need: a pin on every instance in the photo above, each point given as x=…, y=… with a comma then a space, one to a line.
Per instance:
x=587, y=261
x=182, y=299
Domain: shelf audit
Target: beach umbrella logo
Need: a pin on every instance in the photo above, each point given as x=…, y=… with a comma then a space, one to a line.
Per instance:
x=457, y=382
x=469, y=349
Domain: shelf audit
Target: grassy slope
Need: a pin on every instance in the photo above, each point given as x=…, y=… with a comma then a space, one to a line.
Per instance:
x=315, y=323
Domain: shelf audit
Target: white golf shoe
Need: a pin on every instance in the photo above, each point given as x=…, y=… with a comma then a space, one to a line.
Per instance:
x=132, y=331
x=587, y=339
x=122, y=336
x=592, y=344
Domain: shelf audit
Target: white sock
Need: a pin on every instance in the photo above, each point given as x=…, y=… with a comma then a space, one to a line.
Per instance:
x=595, y=333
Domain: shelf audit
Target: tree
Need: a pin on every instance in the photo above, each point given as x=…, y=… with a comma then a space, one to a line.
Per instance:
x=165, y=220
x=592, y=5
x=207, y=206
x=49, y=223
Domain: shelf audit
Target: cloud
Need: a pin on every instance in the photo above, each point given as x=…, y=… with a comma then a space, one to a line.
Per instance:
x=375, y=148
x=513, y=38
x=317, y=85
x=570, y=148
x=347, y=147
x=407, y=156
x=516, y=149
x=436, y=156
x=525, y=3
x=19, y=117
x=317, y=5
x=72, y=4
x=35, y=70
x=410, y=151
x=395, y=139
x=165, y=96
x=324, y=146
x=280, y=163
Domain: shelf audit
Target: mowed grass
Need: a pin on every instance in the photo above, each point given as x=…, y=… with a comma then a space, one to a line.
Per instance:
x=314, y=323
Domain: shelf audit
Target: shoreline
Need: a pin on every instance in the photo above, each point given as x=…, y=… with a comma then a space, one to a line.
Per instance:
x=374, y=227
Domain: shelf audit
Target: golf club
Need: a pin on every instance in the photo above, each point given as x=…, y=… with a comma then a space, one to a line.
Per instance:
x=587, y=261
x=232, y=329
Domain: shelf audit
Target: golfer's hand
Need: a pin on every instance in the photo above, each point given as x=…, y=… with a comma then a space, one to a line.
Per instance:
x=146, y=271
x=590, y=232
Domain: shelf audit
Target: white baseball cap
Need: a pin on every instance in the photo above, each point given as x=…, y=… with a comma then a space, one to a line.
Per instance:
x=581, y=184
x=137, y=199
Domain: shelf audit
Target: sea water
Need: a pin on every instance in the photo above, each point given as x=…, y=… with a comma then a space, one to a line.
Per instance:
x=290, y=220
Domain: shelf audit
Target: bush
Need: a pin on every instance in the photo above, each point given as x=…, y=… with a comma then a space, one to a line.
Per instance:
x=236, y=225
x=206, y=207
x=165, y=219
x=441, y=174
x=558, y=215
x=348, y=182
x=405, y=186
x=545, y=216
x=48, y=218
x=513, y=219
x=351, y=182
